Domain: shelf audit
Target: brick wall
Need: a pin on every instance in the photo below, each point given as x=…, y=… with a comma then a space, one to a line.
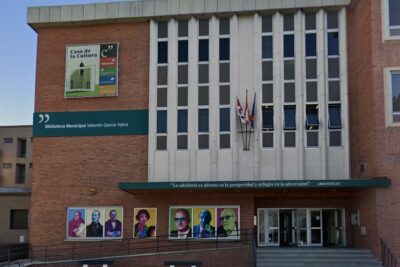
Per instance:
x=373, y=143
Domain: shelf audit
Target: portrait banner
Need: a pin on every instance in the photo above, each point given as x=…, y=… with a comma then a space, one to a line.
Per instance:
x=204, y=222
x=91, y=70
x=145, y=222
x=180, y=225
x=85, y=223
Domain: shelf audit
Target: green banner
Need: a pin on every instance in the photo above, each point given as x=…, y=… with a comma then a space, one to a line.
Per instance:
x=288, y=184
x=90, y=123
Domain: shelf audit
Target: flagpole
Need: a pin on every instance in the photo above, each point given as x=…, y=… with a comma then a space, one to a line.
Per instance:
x=240, y=122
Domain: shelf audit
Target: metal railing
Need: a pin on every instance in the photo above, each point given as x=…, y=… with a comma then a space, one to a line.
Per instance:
x=103, y=249
x=388, y=257
x=9, y=253
x=254, y=247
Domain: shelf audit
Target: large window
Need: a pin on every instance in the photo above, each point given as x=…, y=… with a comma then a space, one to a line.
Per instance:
x=18, y=219
x=20, y=174
x=393, y=97
x=392, y=19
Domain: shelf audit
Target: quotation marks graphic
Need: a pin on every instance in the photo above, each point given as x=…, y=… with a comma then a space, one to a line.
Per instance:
x=104, y=51
x=44, y=118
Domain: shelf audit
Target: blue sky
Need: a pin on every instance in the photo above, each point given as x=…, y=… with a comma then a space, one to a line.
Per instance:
x=18, y=59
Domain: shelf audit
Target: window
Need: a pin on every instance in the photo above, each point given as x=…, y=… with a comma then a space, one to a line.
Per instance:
x=20, y=174
x=203, y=121
x=267, y=47
x=182, y=121
x=224, y=49
x=161, y=97
x=8, y=140
x=393, y=98
x=161, y=121
x=288, y=44
x=21, y=148
x=162, y=52
x=203, y=27
x=203, y=50
x=162, y=75
x=311, y=45
x=335, y=121
x=290, y=118
x=267, y=118
x=18, y=219
x=224, y=120
x=162, y=81
x=183, y=51
x=391, y=15
x=312, y=121
x=7, y=165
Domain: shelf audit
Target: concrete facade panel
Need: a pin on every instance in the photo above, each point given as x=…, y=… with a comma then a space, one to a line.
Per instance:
x=55, y=14
x=77, y=13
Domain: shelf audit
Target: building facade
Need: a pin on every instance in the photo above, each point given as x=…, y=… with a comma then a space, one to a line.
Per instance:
x=257, y=112
x=15, y=182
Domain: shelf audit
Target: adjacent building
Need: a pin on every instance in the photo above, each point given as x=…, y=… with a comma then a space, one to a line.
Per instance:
x=15, y=182
x=276, y=115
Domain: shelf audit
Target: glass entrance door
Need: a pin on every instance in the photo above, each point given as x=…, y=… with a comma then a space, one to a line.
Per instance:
x=315, y=227
x=302, y=227
x=333, y=229
x=268, y=227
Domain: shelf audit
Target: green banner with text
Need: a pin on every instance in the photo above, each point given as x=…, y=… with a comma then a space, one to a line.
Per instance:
x=90, y=123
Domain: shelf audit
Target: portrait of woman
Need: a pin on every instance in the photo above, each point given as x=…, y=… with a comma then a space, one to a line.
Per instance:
x=142, y=227
x=76, y=225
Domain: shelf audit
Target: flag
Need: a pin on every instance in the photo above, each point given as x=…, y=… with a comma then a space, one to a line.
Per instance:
x=240, y=111
x=246, y=110
x=253, y=113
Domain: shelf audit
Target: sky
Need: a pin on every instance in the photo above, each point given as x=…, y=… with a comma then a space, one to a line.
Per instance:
x=18, y=59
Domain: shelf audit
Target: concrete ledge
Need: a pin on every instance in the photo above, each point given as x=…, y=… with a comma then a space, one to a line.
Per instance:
x=147, y=9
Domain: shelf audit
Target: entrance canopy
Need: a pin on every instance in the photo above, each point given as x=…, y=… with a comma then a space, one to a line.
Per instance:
x=355, y=184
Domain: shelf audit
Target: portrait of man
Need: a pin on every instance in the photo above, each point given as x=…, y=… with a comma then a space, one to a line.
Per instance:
x=113, y=226
x=204, y=229
x=76, y=223
x=95, y=229
x=181, y=219
x=228, y=225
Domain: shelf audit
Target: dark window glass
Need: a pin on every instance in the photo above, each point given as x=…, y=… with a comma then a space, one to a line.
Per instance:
x=203, y=73
x=162, y=29
x=224, y=140
x=290, y=92
x=20, y=174
x=288, y=22
x=288, y=68
x=310, y=21
x=203, y=95
x=335, y=121
x=203, y=27
x=182, y=120
x=290, y=139
x=203, y=121
x=161, y=142
x=335, y=138
x=333, y=67
x=182, y=141
x=333, y=43
x=394, y=12
x=267, y=24
x=311, y=45
x=267, y=118
x=162, y=97
x=311, y=68
x=182, y=96
x=203, y=141
x=288, y=45
x=162, y=75
x=224, y=119
x=268, y=139
x=203, y=50
x=8, y=140
x=267, y=71
x=162, y=52
x=334, y=91
x=183, y=51
x=224, y=49
x=18, y=219
x=267, y=47
x=224, y=95
x=267, y=93
x=312, y=92
x=21, y=148
x=182, y=74
x=183, y=28
x=333, y=20
x=312, y=121
x=224, y=26
x=396, y=92
x=161, y=121
x=312, y=138
x=224, y=73
x=290, y=118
